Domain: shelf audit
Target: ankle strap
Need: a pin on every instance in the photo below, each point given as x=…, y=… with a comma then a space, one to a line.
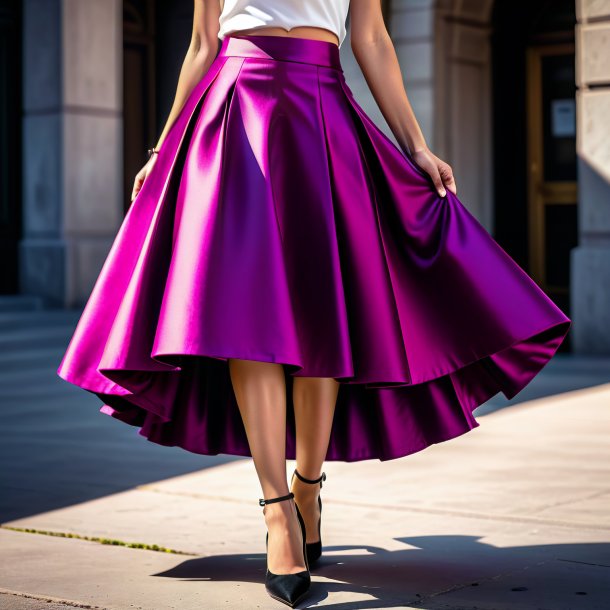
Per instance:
x=312, y=481
x=262, y=501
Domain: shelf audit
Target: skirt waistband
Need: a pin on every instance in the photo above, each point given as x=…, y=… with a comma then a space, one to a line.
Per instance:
x=283, y=48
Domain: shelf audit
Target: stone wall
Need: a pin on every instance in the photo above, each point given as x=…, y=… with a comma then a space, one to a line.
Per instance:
x=72, y=145
x=443, y=47
x=591, y=260
x=463, y=101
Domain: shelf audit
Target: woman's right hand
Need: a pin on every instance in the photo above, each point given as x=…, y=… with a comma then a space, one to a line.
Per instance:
x=440, y=171
x=142, y=175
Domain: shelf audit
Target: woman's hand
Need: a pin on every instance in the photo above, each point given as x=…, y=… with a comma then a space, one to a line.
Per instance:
x=440, y=172
x=142, y=175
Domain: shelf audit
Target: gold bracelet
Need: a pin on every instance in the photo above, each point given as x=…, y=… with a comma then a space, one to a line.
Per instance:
x=152, y=151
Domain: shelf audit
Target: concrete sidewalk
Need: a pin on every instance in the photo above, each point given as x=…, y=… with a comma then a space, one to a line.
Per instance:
x=62, y=452
x=513, y=515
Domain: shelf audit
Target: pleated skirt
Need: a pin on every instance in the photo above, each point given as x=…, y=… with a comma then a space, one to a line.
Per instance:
x=280, y=224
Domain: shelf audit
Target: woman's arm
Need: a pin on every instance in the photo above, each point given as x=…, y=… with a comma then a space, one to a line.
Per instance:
x=375, y=54
x=200, y=54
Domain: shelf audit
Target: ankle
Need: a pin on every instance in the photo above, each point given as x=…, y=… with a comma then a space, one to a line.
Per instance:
x=279, y=514
x=310, y=474
x=304, y=491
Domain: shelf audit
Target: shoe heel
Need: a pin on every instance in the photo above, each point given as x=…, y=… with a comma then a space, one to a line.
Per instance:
x=313, y=549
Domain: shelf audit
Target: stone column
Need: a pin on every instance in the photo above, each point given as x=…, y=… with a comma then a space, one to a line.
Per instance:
x=590, y=264
x=463, y=100
x=412, y=30
x=72, y=145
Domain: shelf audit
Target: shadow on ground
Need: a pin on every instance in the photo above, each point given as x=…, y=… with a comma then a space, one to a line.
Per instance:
x=436, y=572
x=56, y=448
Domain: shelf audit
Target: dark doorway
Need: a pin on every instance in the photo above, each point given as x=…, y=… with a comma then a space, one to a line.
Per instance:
x=534, y=140
x=10, y=144
x=175, y=19
x=139, y=99
x=156, y=36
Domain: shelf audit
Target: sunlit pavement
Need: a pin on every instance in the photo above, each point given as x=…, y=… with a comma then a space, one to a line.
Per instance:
x=511, y=515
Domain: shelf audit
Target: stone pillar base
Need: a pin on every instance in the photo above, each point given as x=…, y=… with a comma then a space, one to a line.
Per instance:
x=42, y=270
x=62, y=272
x=590, y=300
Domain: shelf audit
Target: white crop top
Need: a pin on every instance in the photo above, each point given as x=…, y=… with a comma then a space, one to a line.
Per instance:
x=246, y=14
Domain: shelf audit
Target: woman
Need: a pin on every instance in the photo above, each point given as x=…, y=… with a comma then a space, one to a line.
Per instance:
x=289, y=283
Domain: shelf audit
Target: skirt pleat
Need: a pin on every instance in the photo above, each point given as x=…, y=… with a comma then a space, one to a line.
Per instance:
x=280, y=224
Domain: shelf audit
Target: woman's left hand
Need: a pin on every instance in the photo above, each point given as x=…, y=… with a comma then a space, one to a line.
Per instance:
x=440, y=172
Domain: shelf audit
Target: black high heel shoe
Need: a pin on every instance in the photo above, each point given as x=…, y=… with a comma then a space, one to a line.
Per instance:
x=289, y=589
x=313, y=549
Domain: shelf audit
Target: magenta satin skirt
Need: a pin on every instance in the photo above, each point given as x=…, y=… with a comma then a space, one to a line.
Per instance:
x=280, y=224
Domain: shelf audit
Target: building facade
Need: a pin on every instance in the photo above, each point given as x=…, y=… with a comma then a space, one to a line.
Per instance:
x=516, y=98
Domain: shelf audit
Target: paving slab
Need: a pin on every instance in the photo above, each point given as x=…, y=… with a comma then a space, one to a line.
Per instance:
x=513, y=515
x=424, y=567
x=104, y=576
x=548, y=585
x=546, y=461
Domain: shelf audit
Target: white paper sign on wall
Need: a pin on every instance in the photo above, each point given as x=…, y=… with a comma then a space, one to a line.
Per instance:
x=563, y=118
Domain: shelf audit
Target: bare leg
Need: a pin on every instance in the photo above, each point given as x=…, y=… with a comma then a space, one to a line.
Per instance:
x=260, y=390
x=314, y=401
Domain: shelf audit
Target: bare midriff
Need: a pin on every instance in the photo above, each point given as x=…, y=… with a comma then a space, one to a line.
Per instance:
x=314, y=33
